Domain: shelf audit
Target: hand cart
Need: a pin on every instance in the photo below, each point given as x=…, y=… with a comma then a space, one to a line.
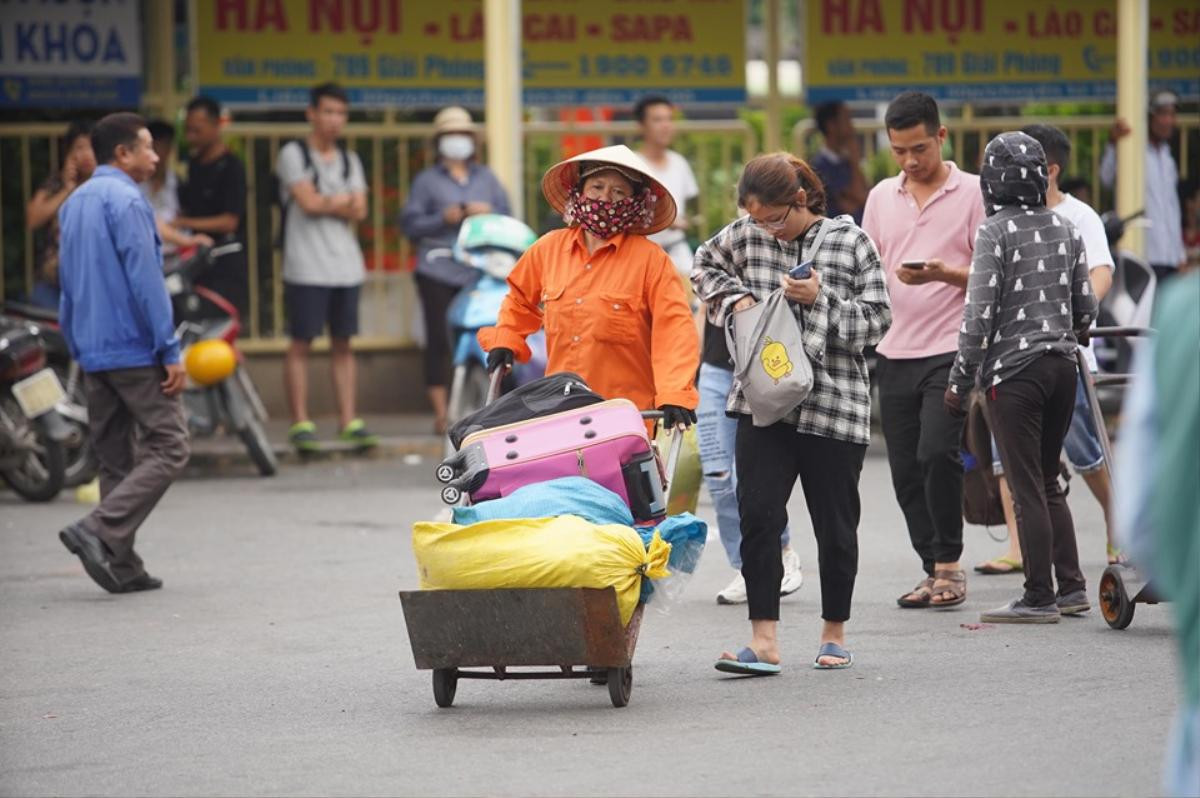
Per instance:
x=480, y=634
x=1121, y=586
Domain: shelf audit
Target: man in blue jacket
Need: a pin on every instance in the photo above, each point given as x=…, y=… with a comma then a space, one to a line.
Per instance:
x=116, y=315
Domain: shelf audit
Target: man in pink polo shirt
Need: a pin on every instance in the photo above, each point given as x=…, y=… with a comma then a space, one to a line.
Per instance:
x=923, y=222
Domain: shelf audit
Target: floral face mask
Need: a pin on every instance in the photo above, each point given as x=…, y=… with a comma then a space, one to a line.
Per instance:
x=605, y=219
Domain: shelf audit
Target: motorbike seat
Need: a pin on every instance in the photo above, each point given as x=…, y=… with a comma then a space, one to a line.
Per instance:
x=33, y=312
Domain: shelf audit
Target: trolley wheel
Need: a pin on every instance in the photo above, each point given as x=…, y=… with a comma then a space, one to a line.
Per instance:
x=451, y=495
x=444, y=473
x=620, y=685
x=445, y=684
x=1115, y=603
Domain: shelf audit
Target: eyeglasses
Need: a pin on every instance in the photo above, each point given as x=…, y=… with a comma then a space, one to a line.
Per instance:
x=775, y=225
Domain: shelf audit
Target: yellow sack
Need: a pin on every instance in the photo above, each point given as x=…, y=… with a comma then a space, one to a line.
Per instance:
x=566, y=551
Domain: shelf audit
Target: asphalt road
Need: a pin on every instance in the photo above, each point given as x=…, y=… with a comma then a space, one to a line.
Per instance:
x=275, y=661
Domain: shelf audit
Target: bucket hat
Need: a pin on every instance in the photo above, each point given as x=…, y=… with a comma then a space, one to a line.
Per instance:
x=563, y=177
x=453, y=119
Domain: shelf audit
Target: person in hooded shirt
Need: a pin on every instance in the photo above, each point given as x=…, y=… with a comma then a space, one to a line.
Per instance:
x=1029, y=301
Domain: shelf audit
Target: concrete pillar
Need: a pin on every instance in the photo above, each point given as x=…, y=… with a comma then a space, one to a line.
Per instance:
x=774, y=123
x=502, y=96
x=160, y=58
x=1132, y=102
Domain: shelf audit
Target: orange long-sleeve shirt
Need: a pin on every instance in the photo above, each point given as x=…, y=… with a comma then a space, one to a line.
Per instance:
x=617, y=317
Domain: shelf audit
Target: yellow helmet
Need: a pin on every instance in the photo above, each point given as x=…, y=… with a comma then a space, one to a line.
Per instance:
x=209, y=362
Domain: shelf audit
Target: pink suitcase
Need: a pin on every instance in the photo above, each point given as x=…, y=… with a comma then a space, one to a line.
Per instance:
x=605, y=442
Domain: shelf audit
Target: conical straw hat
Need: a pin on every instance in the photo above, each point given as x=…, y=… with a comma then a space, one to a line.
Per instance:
x=561, y=178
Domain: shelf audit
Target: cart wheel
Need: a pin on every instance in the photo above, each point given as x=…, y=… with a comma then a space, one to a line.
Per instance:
x=451, y=495
x=1114, y=601
x=445, y=684
x=444, y=473
x=620, y=685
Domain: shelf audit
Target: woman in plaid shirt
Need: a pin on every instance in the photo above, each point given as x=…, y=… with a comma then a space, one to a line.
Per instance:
x=842, y=307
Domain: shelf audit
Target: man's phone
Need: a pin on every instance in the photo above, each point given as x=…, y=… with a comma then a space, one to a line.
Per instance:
x=913, y=264
x=801, y=271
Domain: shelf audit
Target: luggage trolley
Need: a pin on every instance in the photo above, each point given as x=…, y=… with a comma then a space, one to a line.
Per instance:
x=576, y=633
x=1121, y=586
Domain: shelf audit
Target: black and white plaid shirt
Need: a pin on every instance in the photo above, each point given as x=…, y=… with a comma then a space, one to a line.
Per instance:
x=852, y=311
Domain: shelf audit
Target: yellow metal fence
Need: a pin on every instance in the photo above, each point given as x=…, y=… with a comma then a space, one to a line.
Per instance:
x=968, y=138
x=393, y=154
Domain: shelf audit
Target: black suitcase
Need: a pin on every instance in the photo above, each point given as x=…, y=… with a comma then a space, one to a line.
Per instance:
x=551, y=394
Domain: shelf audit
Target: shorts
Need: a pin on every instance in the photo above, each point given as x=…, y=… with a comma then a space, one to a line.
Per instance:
x=1082, y=443
x=310, y=307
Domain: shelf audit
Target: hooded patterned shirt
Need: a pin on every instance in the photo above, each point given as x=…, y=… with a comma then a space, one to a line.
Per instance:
x=1028, y=291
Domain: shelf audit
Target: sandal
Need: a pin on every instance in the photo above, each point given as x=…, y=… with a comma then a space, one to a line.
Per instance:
x=1000, y=565
x=835, y=651
x=1115, y=555
x=924, y=592
x=957, y=588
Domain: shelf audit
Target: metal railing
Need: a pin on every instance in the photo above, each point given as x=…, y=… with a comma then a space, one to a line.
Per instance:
x=392, y=155
x=969, y=137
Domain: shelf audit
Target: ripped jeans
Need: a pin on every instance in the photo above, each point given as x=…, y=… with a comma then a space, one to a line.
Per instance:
x=716, y=433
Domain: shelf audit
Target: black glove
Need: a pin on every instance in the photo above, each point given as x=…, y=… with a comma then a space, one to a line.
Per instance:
x=1083, y=337
x=674, y=415
x=953, y=404
x=499, y=358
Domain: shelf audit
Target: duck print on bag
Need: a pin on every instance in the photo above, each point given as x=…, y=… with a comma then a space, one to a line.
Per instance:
x=775, y=360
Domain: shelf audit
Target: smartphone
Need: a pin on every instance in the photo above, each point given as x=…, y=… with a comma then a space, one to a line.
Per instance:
x=913, y=264
x=801, y=271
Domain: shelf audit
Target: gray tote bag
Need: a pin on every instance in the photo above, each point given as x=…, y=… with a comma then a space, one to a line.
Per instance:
x=767, y=347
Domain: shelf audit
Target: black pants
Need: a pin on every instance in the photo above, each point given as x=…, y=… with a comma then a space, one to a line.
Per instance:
x=923, y=443
x=1030, y=414
x=436, y=297
x=769, y=459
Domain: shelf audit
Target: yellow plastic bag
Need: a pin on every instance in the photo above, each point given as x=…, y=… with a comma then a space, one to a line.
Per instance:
x=566, y=551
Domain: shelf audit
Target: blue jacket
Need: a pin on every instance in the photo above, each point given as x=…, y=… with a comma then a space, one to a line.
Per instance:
x=114, y=310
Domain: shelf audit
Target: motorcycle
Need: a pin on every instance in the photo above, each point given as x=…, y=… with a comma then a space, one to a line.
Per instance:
x=232, y=404
x=491, y=244
x=32, y=433
x=81, y=463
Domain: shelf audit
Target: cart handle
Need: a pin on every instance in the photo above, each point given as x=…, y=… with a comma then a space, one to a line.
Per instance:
x=673, y=453
x=1122, y=332
x=495, y=378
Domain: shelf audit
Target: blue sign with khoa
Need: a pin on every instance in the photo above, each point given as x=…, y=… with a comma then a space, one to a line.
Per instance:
x=70, y=53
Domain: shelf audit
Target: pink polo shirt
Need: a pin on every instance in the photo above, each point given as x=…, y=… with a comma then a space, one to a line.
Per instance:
x=925, y=318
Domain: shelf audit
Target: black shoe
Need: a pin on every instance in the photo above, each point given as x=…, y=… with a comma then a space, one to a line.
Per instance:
x=91, y=552
x=143, y=581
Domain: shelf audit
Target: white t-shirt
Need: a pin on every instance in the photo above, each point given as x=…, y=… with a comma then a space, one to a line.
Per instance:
x=1095, y=243
x=678, y=178
x=320, y=250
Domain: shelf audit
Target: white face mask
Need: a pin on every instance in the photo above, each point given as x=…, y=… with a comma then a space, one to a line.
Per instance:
x=456, y=146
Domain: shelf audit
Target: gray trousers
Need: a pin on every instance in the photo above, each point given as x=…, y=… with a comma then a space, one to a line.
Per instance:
x=123, y=406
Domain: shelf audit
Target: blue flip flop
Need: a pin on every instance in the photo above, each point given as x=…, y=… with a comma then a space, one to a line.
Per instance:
x=833, y=650
x=747, y=664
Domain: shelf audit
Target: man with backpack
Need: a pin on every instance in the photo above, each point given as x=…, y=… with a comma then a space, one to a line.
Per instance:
x=323, y=192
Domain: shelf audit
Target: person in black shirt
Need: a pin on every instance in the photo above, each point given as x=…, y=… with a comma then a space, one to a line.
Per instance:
x=213, y=199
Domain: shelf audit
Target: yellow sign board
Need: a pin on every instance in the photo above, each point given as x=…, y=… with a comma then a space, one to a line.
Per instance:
x=989, y=50
x=427, y=53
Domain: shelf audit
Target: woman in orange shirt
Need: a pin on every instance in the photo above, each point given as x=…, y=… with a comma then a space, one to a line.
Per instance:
x=613, y=307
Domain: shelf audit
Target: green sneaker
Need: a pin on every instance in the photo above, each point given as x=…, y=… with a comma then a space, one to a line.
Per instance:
x=303, y=436
x=356, y=432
